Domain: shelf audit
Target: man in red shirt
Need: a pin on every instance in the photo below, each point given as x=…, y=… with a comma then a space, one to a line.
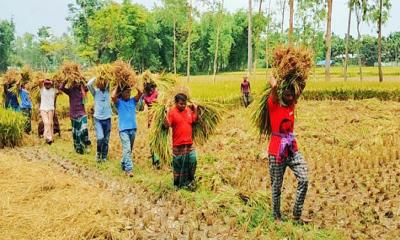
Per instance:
x=283, y=151
x=181, y=119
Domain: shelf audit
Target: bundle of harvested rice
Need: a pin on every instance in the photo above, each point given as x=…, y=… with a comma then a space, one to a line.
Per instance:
x=34, y=85
x=209, y=115
x=124, y=75
x=11, y=127
x=104, y=75
x=70, y=72
x=11, y=80
x=11, y=76
x=260, y=115
x=26, y=74
x=163, y=81
x=291, y=70
x=160, y=137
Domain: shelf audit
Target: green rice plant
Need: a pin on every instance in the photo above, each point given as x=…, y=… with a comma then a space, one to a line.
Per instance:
x=11, y=128
x=209, y=116
x=260, y=116
x=160, y=137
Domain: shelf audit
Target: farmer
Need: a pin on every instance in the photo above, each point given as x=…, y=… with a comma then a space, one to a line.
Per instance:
x=283, y=151
x=102, y=117
x=150, y=96
x=181, y=119
x=245, y=90
x=47, y=99
x=126, y=107
x=11, y=100
x=26, y=107
x=77, y=97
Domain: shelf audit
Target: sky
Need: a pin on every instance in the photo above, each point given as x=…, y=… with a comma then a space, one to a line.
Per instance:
x=29, y=15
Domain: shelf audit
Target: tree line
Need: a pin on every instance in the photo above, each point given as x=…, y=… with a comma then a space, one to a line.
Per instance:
x=192, y=37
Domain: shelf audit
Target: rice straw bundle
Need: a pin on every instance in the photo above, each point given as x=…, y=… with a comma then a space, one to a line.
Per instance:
x=11, y=76
x=11, y=80
x=26, y=74
x=70, y=72
x=292, y=68
x=34, y=85
x=124, y=75
x=260, y=116
x=104, y=75
x=163, y=81
x=160, y=138
x=209, y=117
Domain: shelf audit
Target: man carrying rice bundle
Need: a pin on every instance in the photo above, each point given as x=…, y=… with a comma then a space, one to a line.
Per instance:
x=11, y=79
x=181, y=119
x=275, y=117
x=150, y=97
x=47, y=108
x=126, y=107
x=102, y=116
x=26, y=107
x=77, y=97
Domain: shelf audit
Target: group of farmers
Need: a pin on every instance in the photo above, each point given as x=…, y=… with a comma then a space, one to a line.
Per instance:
x=283, y=151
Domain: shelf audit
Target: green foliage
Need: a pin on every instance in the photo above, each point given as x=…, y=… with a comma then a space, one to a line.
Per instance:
x=7, y=30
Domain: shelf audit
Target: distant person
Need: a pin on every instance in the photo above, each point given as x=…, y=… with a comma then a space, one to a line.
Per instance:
x=126, y=107
x=77, y=113
x=26, y=107
x=150, y=97
x=11, y=100
x=181, y=119
x=245, y=90
x=47, y=99
x=102, y=118
x=283, y=151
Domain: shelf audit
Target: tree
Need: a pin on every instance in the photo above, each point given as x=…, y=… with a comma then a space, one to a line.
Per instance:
x=7, y=29
x=189, y=40
x=218, y=23
x=378, y=12
x=346, y=59
x=291, y=7
x=80, y=14
x=328, y=36
x=358, y=7
x=249, y=41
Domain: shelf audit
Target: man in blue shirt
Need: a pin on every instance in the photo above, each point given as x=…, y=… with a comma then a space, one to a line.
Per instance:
x=102, y=117
x=11, y=100
x=26, y=107
x=126, y=107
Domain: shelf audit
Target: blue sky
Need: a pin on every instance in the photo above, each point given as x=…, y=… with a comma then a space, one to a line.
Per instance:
x=29, y=15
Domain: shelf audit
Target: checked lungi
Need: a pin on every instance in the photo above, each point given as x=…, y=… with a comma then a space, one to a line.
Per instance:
x=184, y=165
x=277, y=169
x=80, y=134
